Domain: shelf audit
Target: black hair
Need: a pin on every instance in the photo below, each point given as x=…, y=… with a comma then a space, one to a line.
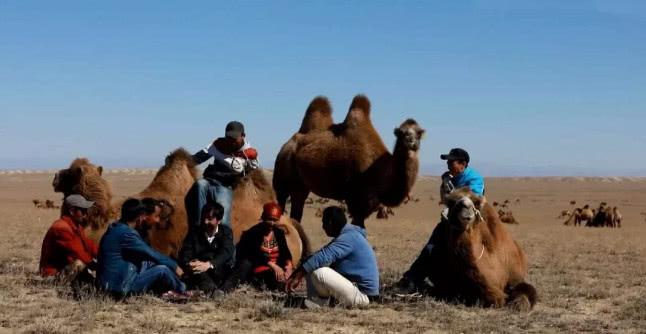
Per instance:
x=213, y=207
x=334, y=216
x=131, y=209
x=150, y=204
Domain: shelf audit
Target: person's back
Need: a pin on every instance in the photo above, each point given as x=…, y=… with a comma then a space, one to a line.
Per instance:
x=355, y=259
x=127, y=265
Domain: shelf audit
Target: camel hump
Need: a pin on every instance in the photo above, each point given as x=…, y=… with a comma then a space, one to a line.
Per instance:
x=318, y=115
x=359, y=110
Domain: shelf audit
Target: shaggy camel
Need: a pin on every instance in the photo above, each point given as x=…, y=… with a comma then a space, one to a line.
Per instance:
x=617, y=217
x=170, y=184
x=580, y=215
x=346, y=161
x=483, y=264
x=507, y=217
x=383, y=212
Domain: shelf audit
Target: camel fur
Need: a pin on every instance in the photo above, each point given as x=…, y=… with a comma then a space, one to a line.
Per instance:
x=347, y=161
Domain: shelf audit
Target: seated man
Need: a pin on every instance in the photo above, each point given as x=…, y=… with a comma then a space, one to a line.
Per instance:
x=263, y=258
x=66, y=249
x=207, y=252
x=232, y=158
x=152, y=216
x=127, y=265
x=345, y=269
x=459, y=175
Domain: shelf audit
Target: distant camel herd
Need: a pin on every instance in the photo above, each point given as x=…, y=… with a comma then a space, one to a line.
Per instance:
x=604, y=216
x=46, y=204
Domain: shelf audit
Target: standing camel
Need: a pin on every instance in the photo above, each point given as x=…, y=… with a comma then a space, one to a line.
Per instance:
x=346, y=161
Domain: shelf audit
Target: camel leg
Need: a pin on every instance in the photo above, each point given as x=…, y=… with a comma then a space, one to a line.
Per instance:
x=298, y=202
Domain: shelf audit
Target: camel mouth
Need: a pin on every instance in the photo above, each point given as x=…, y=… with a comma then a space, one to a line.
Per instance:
x=464, y=213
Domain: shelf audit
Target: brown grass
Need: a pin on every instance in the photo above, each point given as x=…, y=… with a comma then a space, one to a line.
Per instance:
x=589, y=280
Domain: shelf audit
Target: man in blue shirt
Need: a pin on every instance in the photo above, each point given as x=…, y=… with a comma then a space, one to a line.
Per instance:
x=127, y=265
x=459, y=175
x=345, y=269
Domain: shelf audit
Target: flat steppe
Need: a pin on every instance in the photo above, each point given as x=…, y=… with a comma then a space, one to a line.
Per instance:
x=589, y=279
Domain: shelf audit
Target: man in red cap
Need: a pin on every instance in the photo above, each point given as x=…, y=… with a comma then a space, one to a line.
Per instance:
x=263, y=258
x=233, y=157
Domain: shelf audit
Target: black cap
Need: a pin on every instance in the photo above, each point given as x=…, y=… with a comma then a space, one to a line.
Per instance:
x=234, y=130
x=456, y=154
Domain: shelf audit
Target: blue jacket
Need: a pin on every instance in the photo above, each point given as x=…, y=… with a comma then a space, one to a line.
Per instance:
x=350, y=255
x=471, y=178
x=121, y=253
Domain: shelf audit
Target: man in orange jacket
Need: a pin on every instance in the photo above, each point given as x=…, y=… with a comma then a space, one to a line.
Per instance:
x=65, y=245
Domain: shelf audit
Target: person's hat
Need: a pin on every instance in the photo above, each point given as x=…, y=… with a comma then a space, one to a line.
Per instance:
x=78, y=201
x=456, y=154
x=234, y=130
x=271, y=211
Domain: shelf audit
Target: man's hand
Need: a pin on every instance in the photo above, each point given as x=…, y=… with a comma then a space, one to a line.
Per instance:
x=198, y=267
x=179, y=272
x=294, y=280
x=278, y=271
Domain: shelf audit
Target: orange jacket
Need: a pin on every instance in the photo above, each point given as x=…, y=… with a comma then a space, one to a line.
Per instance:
x=64, y=243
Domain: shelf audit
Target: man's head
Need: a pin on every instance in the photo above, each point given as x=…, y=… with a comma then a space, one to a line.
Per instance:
x=212, y=214
x=133, y=212
x=152, y=211
x=77, y=207
x=271, y=213
x=234, y=134
x=333, y=221
x=457, y=161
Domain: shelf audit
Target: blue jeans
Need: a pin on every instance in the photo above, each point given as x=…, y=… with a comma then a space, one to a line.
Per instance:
x=156, y=278
x=207, y=190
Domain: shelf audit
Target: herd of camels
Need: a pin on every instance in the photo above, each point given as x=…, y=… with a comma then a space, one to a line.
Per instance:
x=345, y=161
x=604, y=216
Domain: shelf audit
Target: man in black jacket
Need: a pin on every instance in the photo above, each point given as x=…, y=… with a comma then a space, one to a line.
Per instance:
x=208, y=251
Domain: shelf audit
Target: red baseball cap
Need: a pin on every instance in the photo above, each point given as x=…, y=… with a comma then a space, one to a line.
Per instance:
x=271, y=211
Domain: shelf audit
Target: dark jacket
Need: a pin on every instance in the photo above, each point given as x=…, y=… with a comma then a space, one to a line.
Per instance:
x=121, y=254
x=197, y=247
x=221, y=169
x=252, y=239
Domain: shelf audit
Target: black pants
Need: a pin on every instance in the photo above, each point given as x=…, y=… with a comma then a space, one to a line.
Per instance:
x=243, y=273
x=208, y=281
x=428, y=259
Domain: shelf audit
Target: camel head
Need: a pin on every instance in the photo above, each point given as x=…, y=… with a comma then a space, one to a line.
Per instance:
x=409, y=134
x=464, y=208
x=66, y=179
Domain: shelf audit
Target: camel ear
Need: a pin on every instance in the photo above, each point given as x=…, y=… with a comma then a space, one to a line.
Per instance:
x=398, y=132
x=100, y=169
x=420, y=133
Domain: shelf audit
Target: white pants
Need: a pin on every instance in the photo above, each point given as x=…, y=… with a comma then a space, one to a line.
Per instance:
x=325, y=282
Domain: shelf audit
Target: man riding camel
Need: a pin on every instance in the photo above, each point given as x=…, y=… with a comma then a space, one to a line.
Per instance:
x=459, y=175
x=233, y=157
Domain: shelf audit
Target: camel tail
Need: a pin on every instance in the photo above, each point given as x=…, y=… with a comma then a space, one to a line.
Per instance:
x=318, y=115
x=522, y=297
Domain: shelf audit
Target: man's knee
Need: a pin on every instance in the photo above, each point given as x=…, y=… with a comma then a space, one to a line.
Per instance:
x=322, y=274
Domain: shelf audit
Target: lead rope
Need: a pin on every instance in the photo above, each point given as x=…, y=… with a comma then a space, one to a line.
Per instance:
x=481, y=253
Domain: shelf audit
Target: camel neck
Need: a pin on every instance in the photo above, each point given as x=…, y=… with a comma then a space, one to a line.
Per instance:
x=405, y=165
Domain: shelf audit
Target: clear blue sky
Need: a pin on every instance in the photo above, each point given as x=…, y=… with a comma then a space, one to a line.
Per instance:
x=527, y=87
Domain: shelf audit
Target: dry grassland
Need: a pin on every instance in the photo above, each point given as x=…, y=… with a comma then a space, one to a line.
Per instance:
x=589, y=280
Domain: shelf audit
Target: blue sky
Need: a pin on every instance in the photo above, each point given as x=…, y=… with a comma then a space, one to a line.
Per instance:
x=528, y=88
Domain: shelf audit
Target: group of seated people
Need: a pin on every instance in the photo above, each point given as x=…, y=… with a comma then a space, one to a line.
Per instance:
x=125, y=264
